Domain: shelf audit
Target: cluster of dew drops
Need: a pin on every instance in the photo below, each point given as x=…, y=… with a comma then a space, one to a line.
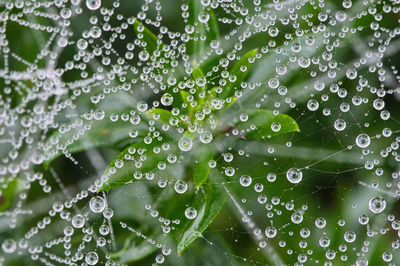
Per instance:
x=34, y=123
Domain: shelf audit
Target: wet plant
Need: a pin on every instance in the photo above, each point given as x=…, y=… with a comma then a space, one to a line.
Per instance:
x=199, y=132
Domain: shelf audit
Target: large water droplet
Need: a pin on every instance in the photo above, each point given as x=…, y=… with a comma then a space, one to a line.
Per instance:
x=377, y=204
x=93, y=4
x=245, y=180
x=206, y=137
x=180, y=186
x=203, y=17
x=92, y=258
x=339, y=124
x=185, y=144
x=9, y=246
x=97, y=204
x=363, y=140
x=78, y=221
x=167, y=99
x=190, y=213
x=294, y=175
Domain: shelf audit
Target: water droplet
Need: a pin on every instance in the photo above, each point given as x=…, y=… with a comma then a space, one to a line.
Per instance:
x=304, y=61
x=378, y=104
x=203, y=17
x=377, y=204
x=180, y=186
x=294, y=175
x=206, y=137
x=190, y=213
x=144, y=55
x=339, y=124
x=351, y=73
x=93, y=4
x=167, y=99
x=108, y=213
x=142, y=106
x=275, y=126
x=363, y=140
x=350, y=236
x=97, y=204
x=363, y=219
x=245, y=180
x=312, y=105
x=320, y=222
x=270, y=232
x=9, y=246
x=185, y=144
x=229, y=171
x=92, y=258
x=297, y=217
x=78, y=221
x=68, y=230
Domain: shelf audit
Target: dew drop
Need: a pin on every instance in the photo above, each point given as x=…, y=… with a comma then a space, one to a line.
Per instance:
x=9, y=246
x=93, y=4
x=339, y=124
x=294, y=175
x=275, y=126
x=185, y=144
x=312, y=105
x=304, y=61
x=377, y=204
x=180, y=187
x=206, y=137
x=363, y=140
x=92, y=258
x=167, y=99
x=350, y=236
x=203, y=17
x=229, y=171
x=78, y=221
x=108, y=213
x=270, y=232
x=97, y=204
x=190, y=213
x=351, y=73
x=245, y=180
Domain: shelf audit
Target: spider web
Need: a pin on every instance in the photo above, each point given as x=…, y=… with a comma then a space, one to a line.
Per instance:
x=67, y=65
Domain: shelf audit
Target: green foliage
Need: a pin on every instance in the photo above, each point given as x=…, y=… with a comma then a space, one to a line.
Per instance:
x=137, y=159
x=240, y=70
x=210, y=30
x=267, y=124
x=83, y=134
x=143, y=158
x=201, y=167
x=208, y=203
x=8, y=188
x=152, y=42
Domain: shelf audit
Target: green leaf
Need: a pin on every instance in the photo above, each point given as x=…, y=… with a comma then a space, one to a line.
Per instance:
x=164, y=116
x=237, y=70
x=196, y=75
x=151, y=40
x=133, y=251
x=209, y=29
x=85, y=134
x=138, y=157
x=159, y=114
x=201, y=169
x=185, y=95
x=154, y=44
x=210, y=203
x=8, y=189
x=264, y=120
